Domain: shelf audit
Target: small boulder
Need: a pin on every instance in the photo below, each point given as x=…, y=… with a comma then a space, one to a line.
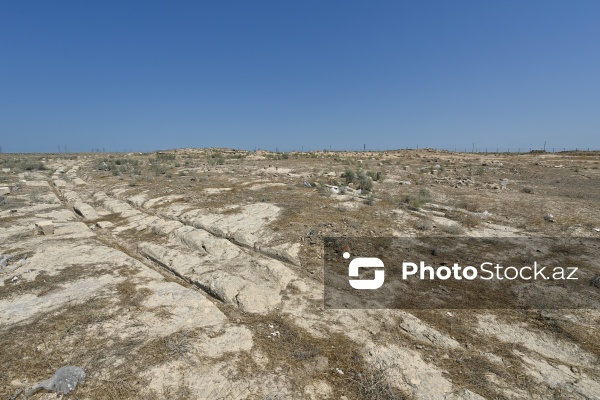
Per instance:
x=64, y=380
x=44, y=228
x=333, y=189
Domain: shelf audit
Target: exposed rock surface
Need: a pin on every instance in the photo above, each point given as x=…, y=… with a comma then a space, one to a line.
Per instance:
x=207, y=282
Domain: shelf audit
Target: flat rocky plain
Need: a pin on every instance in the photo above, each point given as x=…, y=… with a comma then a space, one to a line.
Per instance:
x=198, y=274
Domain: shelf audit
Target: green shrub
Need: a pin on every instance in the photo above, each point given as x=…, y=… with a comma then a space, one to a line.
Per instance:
x=411, y=202
x=377, y=176
x=349, y=176
x=33, y=166
x=158, y=169
x=365, y=182
x=322, y=189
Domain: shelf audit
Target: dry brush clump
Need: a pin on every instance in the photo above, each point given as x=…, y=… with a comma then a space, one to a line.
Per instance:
x=527, y=189
x=423, y=224
x=453, y=229
x=372, y=382
x=465, y=219
x=467, y=204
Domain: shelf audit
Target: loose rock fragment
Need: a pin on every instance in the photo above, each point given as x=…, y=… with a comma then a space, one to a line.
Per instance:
x=44, y=228
x=65, y=380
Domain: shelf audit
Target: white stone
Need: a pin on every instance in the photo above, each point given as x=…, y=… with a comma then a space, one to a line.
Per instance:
x=333, y=189
x=44, y=227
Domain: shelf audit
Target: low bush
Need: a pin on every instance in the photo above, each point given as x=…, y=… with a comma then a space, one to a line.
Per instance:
x=365, y=182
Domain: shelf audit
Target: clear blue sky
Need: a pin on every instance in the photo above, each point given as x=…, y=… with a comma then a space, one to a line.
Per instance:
x=290, y=74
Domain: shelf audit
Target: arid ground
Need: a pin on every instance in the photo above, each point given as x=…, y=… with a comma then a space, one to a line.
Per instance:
x=198, y=274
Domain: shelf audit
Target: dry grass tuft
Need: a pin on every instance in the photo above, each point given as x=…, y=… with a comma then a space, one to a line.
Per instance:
x=296, y=351
x=130, y=295
x=45, y=283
